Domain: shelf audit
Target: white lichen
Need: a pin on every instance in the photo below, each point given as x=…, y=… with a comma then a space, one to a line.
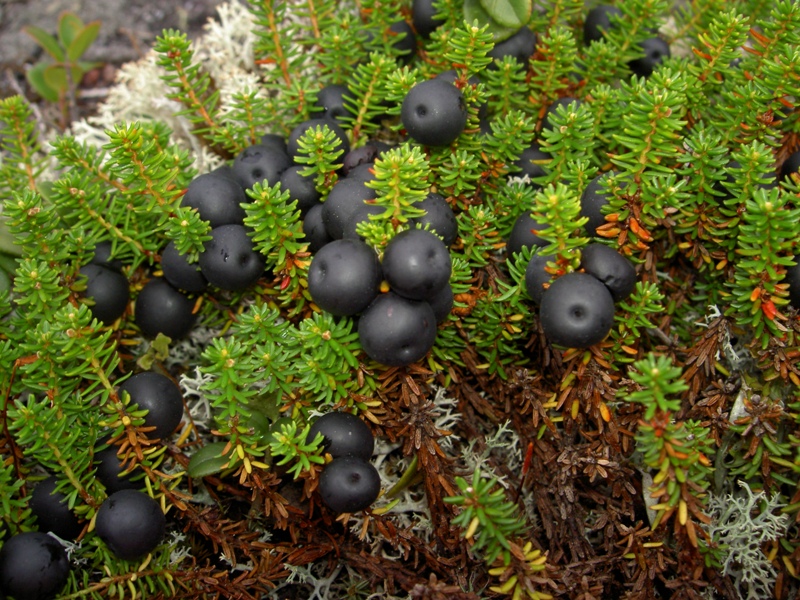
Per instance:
x=741, y=525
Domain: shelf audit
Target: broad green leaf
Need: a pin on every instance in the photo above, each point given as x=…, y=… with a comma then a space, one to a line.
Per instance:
x=56, y=77
x=36, y=78
x=83, y=40
x=46, y=41
x=509, y=13
x=207, y=460
x=473, y=11
x=69, y=24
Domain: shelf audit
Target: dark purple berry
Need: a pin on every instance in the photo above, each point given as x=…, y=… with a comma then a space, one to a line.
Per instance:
x=416, y=264
x=344, y=277
x=424, y=17
x=260, y=164
x=130, y=523
x=160, y=308
x=33, y=566
x=180, y=272
x=346, y=196
x=442, y=303
x=229, y=259
x=216, y=198
x=103, y=256
x=52, y=511
x=162, y=399
x=300, y=188
x=598, y=21
x=523, y=234
x=396, y=331
x=274, y=141
x=110, y=471
x=531, y=162
x=331, y=101
x=593, y=199
x=439, y=216
x=108, y=290
x=793, y=279
x=349, y=484
x=519, y=46
x=434, y=112
x=360, y=215
x=314, y=229
x=345, y=435
x=611, y=268
x=577, y=311
x=790, y=166
x=359, y=156
x=536, y=276
x=655, y=51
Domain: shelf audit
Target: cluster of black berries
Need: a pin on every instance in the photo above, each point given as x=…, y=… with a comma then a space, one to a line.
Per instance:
x=349, y=482
x=396, y=327
x=131, y=523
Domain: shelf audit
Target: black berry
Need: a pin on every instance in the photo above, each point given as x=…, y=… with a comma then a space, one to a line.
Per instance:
x=108, y=289
x=217, y=198
x=103, y=256
x=349, y=484
x=260, y=164
x=229, y=259
x=611, y=268
x=793, y=279
x=33, y=566
x=434, y=112
x=130, y=523
x=523, y=234
x=439, y=216
x=655, y=51
x=416, y=264
x=160, y=396
x=300, y=187
x=593, y=199
x=345, y=435
x=790, y=166
x=52, y=511
x=344, y=277
x=180, y=272
x=343, y=200
x=331, y=101
x=598, y=21
x=424, y=17
x=536, y=276
x=396, y=331
x=531, y=162
x=577, y=311
x=160, y=308
x=519, y=46
x=314, y=229
x=109, y=471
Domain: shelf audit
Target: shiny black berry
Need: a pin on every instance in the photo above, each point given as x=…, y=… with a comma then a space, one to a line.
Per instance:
x=598, y=21
x=130, y=523
x=577, y=311
x=180, y=272
x=343, y=200
x=301, y=188
x=345, y=435
x=160, y=396
x=110, y=471
x=108, y=290
x=331, y=102
x=655, y=51
x=344, y=277
x=396, y=331
x=33, y=566
x=434, y=112
x=416, y=264
x=160, y=308
x=229, y=259
x=523, y=234
x=519, y=46
x=439, y=216
x=359, y=156
x=52, y=511
x=314, y=229
x=217, y=198
x=442, y=303
x=793, y=279
x=593, y=199
x=610, y=267
x=424, y=16
x=260, y=164
x=536, y=276
x=349, y=484
x=361, y=214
